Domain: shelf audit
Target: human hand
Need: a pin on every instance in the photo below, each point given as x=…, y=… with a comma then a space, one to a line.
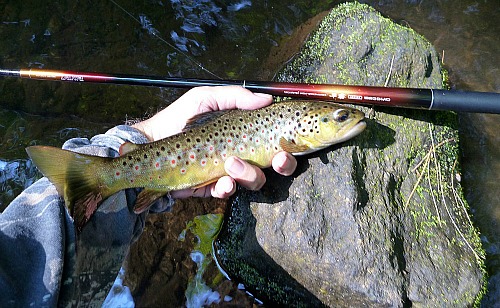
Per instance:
x=172, y=120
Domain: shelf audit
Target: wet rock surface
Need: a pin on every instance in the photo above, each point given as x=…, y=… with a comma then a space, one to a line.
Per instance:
x=379, y=220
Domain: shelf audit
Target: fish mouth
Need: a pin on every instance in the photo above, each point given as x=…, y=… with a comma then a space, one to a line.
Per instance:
x=353, y=132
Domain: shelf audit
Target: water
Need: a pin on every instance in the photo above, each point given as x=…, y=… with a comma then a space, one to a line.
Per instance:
x=209, y=39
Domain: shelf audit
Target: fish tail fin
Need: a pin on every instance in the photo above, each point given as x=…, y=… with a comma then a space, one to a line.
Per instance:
x=75, y=178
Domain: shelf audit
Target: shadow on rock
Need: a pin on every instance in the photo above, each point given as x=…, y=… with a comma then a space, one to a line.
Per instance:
x=263, y=277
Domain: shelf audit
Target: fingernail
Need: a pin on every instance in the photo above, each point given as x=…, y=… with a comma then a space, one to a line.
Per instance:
x=281, y=160
x=234, y=166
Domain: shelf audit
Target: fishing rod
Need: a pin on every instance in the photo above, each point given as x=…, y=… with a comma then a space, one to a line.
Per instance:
x=430, y=99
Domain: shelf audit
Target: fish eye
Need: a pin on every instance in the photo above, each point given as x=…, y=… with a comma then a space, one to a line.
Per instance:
x=341, y=115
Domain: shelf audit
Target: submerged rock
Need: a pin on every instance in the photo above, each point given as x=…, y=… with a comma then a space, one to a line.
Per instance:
x=379, y=220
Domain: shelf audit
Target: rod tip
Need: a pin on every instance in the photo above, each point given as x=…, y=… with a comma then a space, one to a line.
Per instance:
x=9, y=73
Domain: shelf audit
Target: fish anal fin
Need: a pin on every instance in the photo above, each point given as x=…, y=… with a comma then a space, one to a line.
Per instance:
x=127, y=147
x=146, y=198
x=203, y=118
x=292, y=147
x=84, y=208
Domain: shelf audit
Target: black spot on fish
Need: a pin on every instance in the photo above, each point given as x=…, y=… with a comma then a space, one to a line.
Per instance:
x=158, y=153
x=162, y=149
x=188, y=140
x=177, y=145
x=124, y=163
x=145, y=156
x=130, y=157
x=198, y=140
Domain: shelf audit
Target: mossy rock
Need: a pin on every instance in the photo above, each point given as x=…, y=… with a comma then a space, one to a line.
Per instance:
x=378, y=220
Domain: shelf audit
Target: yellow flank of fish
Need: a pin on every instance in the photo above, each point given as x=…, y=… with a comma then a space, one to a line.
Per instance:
x=196, y=156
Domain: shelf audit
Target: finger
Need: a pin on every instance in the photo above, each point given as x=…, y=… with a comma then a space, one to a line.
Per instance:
x=223, y=188
x=186, y=193
x=227, y=97
x=247, y=175
x=284, y=163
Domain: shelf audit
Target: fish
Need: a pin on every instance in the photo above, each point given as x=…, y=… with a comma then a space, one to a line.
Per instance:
x=195, y=157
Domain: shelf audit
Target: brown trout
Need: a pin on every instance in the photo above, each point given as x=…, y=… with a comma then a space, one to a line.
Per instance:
x=195, y=157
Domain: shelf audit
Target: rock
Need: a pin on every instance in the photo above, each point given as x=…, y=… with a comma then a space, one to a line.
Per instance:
x=379, y=220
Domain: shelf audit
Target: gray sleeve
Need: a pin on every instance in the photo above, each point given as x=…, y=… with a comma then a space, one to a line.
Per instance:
x=43, y=262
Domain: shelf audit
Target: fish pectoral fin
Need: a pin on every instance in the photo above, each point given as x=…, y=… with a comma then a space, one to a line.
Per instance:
x=127, y=147
x=292, y=147
x=146, y=198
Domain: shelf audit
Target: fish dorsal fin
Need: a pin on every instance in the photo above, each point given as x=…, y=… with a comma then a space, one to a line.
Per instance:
x=292, y=147
x=203, y=118
x=127, y=147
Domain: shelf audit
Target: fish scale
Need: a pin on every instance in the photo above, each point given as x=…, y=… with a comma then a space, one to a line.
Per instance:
x=196, y=156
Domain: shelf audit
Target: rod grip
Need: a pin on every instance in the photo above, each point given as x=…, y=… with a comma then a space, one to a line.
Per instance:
x=466, y=101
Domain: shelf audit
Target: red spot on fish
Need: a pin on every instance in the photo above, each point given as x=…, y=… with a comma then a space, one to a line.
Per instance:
x=172, y=161
x=117, y=173
x=228, y=140
x=183, y=171
x=191, y=156
x=271, y=138
x=136, y=167
x=203, y=162
x=157, y=165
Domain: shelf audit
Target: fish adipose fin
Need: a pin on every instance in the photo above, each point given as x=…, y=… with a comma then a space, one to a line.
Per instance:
x=75, y=178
